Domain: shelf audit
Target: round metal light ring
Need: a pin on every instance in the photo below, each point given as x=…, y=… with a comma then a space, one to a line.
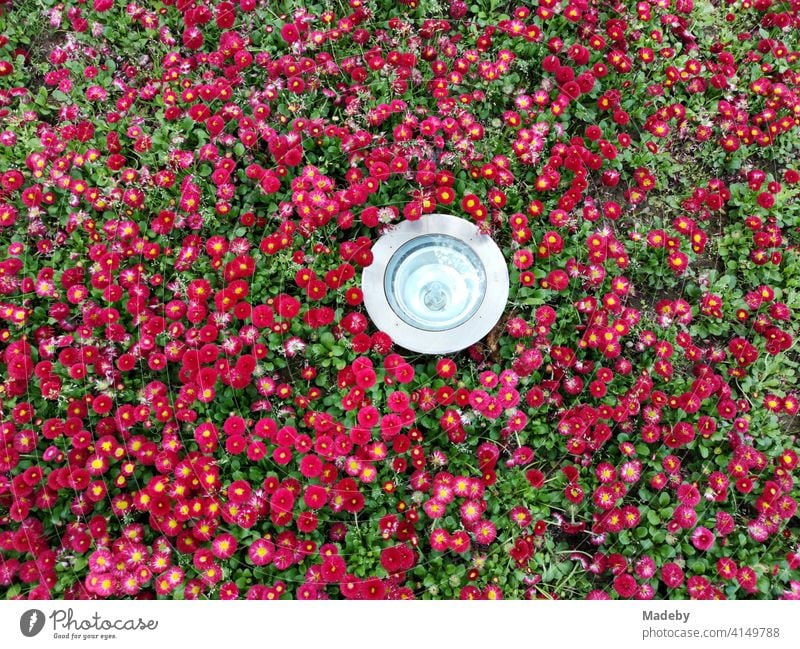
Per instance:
x=436, y=285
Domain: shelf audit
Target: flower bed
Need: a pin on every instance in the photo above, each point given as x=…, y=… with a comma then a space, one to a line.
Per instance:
x=194, y=401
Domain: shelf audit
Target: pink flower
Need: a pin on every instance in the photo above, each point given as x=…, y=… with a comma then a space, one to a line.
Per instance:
x=645, y=568
x=598, y=594
x=688, y=494
x=672, y=575
x=724, y=523
x=794, y=591
x=703, y=538
x=485, y=532
x=440, y=540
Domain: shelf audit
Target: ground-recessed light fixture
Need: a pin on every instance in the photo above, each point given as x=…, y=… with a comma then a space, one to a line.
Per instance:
x=436, y=285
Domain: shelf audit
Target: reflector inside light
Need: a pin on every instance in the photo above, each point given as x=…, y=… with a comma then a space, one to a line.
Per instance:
x=435, y=282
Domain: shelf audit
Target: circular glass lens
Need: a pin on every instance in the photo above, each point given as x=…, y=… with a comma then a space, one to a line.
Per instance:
x=435, y=282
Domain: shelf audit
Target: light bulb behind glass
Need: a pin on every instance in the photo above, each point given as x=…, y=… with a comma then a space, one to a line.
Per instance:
x=435, y=282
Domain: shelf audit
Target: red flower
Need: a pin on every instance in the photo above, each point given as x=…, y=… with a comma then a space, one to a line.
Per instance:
x=286, y=306
x=398, y=558
x=446, y=368
x=290, y=33
x=672, y=575
x=625, y=585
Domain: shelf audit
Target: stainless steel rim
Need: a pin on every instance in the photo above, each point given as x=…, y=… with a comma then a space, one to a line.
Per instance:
x=450, y=340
